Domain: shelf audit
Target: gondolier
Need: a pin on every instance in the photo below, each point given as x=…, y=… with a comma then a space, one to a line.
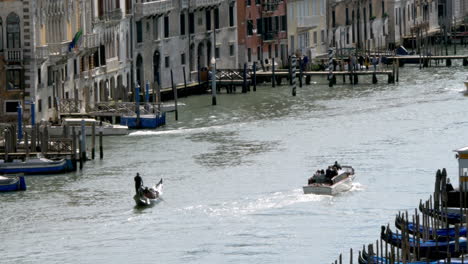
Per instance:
x=138, y=182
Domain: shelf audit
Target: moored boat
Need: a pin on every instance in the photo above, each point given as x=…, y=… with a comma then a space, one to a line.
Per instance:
x=365, y=258
x=430, y=249
x=330, y=185
x=106, y=128
x=12, y=183
x=441, y=234
x=35, y=166
x=149, y=196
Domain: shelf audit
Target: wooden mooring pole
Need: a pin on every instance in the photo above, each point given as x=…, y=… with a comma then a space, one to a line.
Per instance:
x=101, y=148
x=93, y=140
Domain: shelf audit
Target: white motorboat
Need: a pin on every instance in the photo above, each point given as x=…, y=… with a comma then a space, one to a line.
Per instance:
x=320, y=184
x=149, y=196
x=107, y=128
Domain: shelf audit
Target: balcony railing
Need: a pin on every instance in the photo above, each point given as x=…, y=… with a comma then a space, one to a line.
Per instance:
x=91, y=40
x=270, y=36
x=193, y=4
x=42, y=52
x=308, y=22
x=154, y=7
x=270, y=6
x=14, y=55
x=58, y=49
x=114, y=15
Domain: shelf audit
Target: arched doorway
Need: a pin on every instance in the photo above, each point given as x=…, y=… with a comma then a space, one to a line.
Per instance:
x=156, y=63
x=192, y=57
x=120, y=88
x=200, y=56
x=102, y=91
x=139, y=70
x=208, y=52
x=112, y=94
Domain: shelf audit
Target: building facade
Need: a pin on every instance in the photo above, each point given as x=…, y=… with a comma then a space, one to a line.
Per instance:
x=307, y=27
x=262, y=31
x=378, y=24
x=174, y=35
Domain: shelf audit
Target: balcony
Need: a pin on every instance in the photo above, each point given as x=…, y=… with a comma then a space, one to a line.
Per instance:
x=270, y=36
x=153, y=8
x=197, y=4
x=112, y=16
x=58, y=49
x=308, y=22
x=91, y=40
x=270, y=6
x=14, y=55
x=42, y=52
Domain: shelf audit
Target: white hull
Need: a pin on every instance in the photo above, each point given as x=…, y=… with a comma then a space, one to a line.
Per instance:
x=326, y=189
x=115, y=130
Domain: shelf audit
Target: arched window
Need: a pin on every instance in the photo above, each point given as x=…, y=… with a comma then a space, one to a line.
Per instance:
x=1, y=34
x=13, y=31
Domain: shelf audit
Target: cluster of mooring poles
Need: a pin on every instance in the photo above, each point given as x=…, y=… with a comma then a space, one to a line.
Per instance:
x=20, y=142
x=434, y=234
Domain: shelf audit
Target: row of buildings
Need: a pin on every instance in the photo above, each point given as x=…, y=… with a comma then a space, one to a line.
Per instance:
x=76, y=53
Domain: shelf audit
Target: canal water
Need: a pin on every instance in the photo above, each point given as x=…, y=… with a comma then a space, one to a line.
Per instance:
x=233, y=177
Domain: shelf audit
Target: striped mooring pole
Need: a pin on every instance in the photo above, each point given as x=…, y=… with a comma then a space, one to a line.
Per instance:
x=330, y=67
x=293, y=74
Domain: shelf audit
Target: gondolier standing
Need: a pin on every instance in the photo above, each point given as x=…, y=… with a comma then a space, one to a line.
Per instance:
x=138, y=182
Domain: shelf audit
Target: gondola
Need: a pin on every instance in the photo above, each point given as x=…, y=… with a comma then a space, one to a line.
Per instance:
x=430, y=249
x=12, y=183
x=148, y=196
x=441, y=234
x=364, y=258
x=450, y=217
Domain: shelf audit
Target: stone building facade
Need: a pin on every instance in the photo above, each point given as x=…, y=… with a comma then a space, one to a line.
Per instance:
x=182, y=34
x=307, y=27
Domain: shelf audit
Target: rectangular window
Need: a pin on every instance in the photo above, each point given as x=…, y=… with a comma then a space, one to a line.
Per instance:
x=39, y=76
x=269, y=51
x=75, y=67
x=315, y=37
x=259, y=26
x=276, y=50
x=39, y=105
x=216, y=18
x=231, y=50
x=333, y=19
x=208, y=19
x=370, y=10
x=217, y=52
x=166, y=27
x=11, y=106
x=166, y=61
x=249, y=2
x=50, y=76
x=49, y=102
x=191, y=23
x=249, y=55
x=231, y=15
x=249, y=27
x=182, y=59
x=139, y=29
x=13, y=79
x=284, y=23
x=322, y=36
x=347, y=16
x=259, y=53
x=182, y=24
x=155, y=27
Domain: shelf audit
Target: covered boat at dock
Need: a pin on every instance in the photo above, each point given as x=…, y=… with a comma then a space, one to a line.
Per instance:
x=35, y=166
x=430, y=249
x=149, y=196
x=12, y=183
x=441, y=234
x=320, y=184
x=451, y=216
x=365, y=258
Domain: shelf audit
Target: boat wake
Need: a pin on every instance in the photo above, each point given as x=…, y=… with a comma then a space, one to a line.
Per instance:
x=357, y=187
x=248, y=206
x=181, y=130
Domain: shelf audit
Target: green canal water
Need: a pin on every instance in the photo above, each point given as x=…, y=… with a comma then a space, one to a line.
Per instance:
x=234, y=173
